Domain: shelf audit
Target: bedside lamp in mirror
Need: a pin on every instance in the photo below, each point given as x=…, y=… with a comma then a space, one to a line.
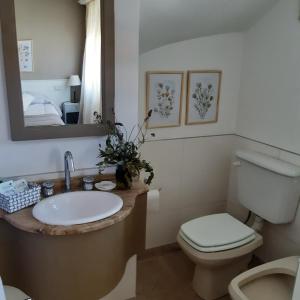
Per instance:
x=73, y=83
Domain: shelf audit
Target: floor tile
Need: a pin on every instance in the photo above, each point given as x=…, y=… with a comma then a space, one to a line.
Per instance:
x=166, y=277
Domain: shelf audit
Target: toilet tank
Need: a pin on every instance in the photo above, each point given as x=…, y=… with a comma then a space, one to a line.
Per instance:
x=267, y=186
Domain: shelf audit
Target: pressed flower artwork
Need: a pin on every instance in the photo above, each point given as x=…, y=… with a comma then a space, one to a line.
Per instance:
x=25, y=55
x=164, y=94
x=203, y=97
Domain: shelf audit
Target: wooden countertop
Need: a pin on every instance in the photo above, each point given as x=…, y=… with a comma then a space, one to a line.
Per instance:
x=24, y=220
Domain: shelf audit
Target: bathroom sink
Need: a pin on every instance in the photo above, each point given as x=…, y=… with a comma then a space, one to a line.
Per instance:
x=77, y=208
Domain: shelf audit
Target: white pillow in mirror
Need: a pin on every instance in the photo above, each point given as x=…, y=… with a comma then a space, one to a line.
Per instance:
x=38, y=98
x=27, y=100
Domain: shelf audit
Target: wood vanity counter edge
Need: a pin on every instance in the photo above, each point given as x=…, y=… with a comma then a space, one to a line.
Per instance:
x=25, y=221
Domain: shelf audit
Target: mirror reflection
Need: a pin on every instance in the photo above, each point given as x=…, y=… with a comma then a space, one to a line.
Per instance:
x=59, y=44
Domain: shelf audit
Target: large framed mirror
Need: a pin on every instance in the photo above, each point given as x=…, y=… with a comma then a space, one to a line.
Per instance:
x=59, y=66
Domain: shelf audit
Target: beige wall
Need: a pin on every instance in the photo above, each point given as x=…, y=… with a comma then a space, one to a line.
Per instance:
x=269, y=109
x=279, y=240
x=193, y=176
x=192, y=162
x=194, y=173
x=46, y=156
x=221, y=52
x=57, y=28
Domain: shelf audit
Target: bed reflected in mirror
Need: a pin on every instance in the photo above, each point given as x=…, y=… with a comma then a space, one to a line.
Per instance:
x=59, y=47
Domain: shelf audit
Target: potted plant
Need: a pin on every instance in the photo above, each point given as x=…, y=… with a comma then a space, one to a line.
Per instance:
x=123, y=150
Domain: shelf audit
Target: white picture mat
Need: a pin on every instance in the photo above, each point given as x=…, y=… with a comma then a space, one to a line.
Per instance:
x=25, y=50
x=205, y=79
x=174, y=81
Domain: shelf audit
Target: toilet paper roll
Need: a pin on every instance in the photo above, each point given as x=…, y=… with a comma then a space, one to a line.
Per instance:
x=153, y=198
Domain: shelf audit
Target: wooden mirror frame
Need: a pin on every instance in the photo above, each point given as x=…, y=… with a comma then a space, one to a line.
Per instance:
x=13, y=79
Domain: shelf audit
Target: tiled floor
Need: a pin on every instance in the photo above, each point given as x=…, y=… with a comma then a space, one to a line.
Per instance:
x=166, y=277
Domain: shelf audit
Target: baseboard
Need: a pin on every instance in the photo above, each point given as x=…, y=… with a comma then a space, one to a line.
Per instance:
x=159, y=251
x=255, y=262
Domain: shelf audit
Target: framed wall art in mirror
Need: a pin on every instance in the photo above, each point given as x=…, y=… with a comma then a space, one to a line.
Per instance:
x=59, y=66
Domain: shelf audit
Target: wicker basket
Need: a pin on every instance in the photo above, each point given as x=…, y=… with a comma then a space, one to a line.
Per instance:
x=19, y=201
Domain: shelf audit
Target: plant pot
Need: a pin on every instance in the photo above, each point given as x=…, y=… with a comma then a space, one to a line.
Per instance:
x=123, y=177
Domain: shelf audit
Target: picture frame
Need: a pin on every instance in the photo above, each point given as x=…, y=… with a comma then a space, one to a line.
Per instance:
x=25, y=51
x=203, y=96
x=164, y=91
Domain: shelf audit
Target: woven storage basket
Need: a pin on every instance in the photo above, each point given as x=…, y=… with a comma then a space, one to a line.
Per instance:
x=19, y=201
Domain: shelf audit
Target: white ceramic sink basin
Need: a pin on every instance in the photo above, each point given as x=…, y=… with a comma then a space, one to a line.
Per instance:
x=77, y=208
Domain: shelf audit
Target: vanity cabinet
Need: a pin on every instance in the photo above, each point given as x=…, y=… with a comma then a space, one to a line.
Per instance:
x=72, y=262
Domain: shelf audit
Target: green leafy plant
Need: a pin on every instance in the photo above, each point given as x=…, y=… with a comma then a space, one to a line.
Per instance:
x=123, y=150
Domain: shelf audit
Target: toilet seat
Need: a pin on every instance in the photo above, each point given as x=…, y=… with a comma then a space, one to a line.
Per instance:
x=215, y=269
x=216, y=233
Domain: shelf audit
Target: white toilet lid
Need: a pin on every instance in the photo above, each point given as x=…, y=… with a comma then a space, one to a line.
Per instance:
x=216, y=233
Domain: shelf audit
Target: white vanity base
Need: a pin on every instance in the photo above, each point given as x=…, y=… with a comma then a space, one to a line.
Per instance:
x=126, y=289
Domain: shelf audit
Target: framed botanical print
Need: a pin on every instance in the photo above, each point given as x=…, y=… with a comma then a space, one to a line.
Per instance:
x=164, y=97
x=203, y=97
x=25, y=50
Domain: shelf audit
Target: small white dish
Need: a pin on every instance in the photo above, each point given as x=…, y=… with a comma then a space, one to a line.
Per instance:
x=105, y=185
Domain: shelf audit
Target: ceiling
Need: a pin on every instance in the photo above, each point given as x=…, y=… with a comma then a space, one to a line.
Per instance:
x=168, y=21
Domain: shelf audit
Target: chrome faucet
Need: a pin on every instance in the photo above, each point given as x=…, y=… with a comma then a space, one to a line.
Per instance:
x=69, y=166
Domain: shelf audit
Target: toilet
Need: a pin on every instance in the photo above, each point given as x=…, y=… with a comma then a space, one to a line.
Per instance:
x=220, y=245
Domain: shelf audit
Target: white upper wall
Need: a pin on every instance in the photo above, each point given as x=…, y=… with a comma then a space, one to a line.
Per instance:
x=169, y=21
x=269, y=108
x=223, y=52
x=35, y=157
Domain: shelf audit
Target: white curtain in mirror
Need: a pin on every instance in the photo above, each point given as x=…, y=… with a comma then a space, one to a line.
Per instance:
x=91, y=74
x=2, y=294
